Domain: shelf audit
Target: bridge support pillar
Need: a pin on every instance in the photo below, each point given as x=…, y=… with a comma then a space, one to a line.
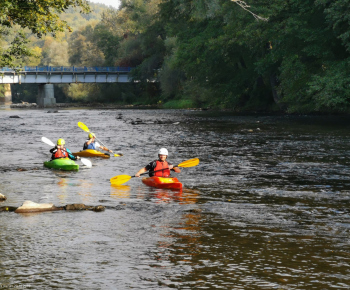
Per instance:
x=7, y=96
x=46, y=97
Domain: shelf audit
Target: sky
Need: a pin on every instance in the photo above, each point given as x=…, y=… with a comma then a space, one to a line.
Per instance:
x=114, y=3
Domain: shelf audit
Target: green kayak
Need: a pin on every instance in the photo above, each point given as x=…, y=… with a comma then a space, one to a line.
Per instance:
x=63, y=164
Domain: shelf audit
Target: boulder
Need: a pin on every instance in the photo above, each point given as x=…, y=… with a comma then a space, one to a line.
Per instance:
x=2, y=197
x=80, y=206
x=29, y=206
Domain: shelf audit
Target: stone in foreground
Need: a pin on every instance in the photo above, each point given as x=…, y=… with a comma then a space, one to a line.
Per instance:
x=30, y=206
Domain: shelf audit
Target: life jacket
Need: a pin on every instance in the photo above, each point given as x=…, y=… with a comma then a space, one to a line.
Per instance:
x=161, y=165
x=60, y=154
x=90, y=146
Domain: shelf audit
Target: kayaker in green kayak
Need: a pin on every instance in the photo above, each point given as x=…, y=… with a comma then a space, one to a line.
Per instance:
x=159, y=164
x=60, y=151
x=91, y=143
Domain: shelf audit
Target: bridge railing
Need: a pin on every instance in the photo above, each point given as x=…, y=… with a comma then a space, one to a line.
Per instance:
x=67, y=69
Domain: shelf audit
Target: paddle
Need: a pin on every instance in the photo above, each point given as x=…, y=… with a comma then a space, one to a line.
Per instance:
x=85, y=161
x=86, y=129
x=120, y=179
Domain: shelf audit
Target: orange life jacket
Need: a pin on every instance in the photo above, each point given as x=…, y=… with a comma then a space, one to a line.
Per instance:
x=162, y=165
x=60, y=154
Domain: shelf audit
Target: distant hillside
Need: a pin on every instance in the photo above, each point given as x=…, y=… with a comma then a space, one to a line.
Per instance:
x=77, y=20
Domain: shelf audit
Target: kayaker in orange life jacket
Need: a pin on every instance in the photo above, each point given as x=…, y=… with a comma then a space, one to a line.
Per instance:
x=59, y=151
x=159, y=164
x=90, y=143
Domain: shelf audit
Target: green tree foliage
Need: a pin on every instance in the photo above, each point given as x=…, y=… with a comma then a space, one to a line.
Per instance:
x=297, y=60
x=83, y=49
x=41, y=17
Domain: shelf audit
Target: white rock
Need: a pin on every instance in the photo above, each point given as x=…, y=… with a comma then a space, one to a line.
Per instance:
x=31, y=204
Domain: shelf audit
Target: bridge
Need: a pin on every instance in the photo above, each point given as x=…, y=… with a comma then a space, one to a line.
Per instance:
x=47, y=76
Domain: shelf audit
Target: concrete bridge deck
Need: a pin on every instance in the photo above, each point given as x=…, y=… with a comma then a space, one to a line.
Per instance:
x=64, y=75
x=46, y=76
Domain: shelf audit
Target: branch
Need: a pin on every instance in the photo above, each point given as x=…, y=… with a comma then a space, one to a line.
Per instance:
x=245, y=6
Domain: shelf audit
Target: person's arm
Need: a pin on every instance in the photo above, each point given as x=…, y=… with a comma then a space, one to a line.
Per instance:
x=98, y=145
x=142, y=170
x=71, y=156
x=174, y=168
x=105, y=149
x=88, y=142
x=53, y=149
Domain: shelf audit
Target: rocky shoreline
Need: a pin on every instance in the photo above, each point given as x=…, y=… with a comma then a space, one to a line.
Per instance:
x=25, y=105
x=104, y=106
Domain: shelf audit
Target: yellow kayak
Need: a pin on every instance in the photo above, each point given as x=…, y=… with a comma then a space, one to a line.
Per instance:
x=91, y=153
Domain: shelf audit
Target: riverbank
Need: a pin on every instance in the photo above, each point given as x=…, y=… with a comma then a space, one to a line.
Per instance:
x=92, y=105
x=81, y=105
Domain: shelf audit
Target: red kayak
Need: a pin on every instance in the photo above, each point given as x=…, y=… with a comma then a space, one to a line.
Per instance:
x=163, y=182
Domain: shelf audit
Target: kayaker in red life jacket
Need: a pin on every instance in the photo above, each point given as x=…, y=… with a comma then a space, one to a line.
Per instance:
x=90, y=143
x=159, y=164
x=59, y=151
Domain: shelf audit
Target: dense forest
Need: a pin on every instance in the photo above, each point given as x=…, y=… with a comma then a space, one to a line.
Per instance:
x=285, y=56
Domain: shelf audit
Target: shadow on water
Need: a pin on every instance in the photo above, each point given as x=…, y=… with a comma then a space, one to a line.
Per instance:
x=266, y=208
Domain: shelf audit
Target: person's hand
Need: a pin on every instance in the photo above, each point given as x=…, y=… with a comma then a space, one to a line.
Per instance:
x=78, y=157
x=171, y=166
x=110, y=151
x=137, y=175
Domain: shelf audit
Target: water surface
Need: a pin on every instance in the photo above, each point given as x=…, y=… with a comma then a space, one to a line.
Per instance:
x=266, y=208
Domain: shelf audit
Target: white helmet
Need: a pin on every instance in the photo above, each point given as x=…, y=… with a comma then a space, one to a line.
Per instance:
x=163, y=151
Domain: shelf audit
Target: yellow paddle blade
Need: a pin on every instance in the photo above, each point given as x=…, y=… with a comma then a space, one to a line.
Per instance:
x=189, y=163
x=83, y=126
x=118, y=155
x=120, y=179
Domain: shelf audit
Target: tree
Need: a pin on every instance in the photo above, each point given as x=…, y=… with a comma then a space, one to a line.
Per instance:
x=41, y=17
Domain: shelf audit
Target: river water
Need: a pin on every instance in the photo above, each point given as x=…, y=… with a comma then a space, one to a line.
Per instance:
x=266, y=208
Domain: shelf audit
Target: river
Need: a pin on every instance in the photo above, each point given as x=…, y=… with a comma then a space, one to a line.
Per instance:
x=266, y=208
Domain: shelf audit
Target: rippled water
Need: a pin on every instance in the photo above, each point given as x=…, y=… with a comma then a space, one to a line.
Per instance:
x=266, y=208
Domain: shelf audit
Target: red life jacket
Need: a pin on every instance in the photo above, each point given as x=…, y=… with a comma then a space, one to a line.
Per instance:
x=162, y=165
x=60, y=154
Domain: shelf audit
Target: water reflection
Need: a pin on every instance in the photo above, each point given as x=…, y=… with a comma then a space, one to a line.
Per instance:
x=120, y=191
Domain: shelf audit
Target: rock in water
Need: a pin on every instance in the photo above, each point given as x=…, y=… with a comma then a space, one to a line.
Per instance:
x=29, y=206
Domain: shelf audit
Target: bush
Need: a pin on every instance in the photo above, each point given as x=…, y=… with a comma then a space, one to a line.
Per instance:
x=178, y=104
